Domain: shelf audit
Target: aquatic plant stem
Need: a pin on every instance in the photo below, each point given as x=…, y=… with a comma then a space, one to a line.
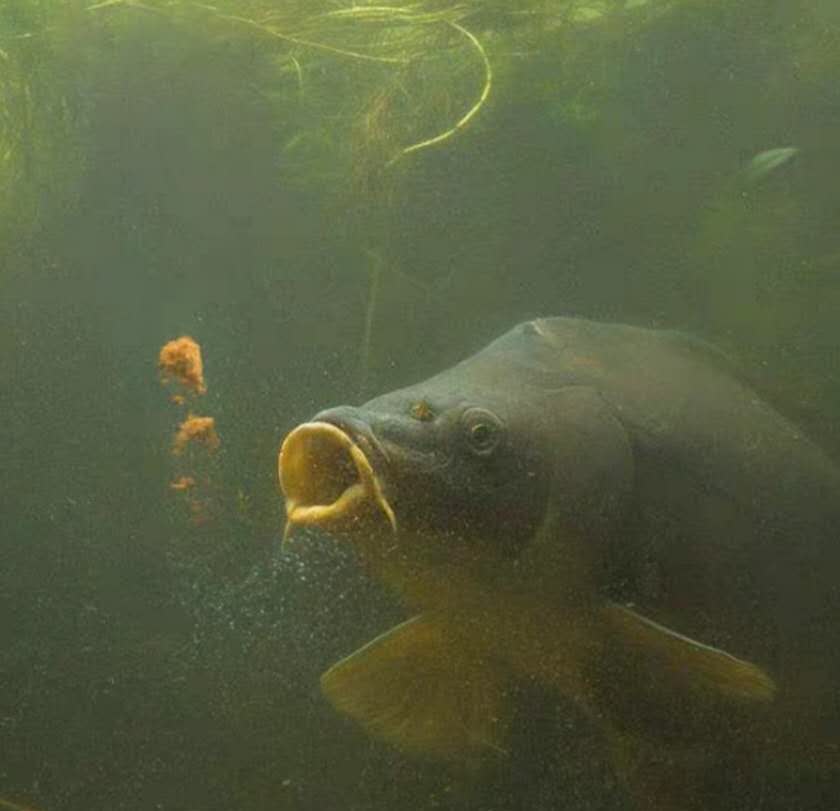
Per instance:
x=304, y=43
x=390, y=13
x=374, y=276
x=298, y=72
x=471, y=113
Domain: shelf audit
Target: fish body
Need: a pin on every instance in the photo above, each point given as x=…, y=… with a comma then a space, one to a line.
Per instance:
x=600, y=509
x=764, y=163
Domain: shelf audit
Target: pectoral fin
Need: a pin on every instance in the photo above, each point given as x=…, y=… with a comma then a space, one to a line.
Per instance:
x=680, y=662
x=421, y=689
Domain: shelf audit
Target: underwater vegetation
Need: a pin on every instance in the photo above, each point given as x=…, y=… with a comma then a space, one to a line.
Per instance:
x=415, y=74
x=363, y=101
x=359, y=91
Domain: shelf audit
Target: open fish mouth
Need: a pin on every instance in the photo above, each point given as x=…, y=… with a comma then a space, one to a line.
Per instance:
x=328, y=480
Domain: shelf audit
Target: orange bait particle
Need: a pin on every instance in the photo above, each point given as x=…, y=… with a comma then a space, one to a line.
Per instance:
x=199, y=513
x=180, y=360
x=196, y=429
x=183, y=483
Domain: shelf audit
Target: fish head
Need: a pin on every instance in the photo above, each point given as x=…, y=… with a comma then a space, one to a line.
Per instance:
x=500, y=459
x=462, y=473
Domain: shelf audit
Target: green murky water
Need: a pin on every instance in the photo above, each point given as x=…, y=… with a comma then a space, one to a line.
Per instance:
x=336, y=199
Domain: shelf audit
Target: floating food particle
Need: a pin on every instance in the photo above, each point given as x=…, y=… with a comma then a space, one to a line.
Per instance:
x=196, y=429
x=180, y=360
x=199, y=512
x=183, y=483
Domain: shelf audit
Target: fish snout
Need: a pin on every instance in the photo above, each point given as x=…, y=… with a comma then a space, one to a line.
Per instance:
x=329, y=471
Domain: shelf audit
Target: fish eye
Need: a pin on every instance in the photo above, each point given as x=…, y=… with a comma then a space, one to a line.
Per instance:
x=483, y=430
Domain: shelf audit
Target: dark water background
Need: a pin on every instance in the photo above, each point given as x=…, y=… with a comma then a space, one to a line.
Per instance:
x=158, y=184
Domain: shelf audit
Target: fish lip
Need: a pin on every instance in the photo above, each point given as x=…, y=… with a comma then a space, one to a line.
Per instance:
x=327, y=470
x=362, y=436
